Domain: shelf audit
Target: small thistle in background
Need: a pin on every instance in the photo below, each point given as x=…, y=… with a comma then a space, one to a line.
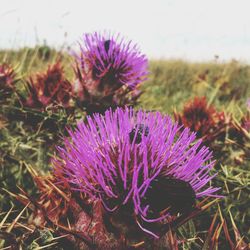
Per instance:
x=144, y=171
x=108, y=71
x=49, y=88
x=7, y=80
x=112, y=62
x=202, y=118
x=198, y=116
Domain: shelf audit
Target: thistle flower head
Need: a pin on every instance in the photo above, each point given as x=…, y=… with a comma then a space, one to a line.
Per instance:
x=112, y=61
x=198, y=116
x=7, y=79
x=48, y=88
x=138, y=160
x=108, y=70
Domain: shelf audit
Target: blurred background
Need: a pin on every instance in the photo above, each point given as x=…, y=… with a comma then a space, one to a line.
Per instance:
x=195, y=30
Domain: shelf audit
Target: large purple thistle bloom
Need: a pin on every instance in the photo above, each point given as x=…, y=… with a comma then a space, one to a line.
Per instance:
x=112, y=60
x=137, y=158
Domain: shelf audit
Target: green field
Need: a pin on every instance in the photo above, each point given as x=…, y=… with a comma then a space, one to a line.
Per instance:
x=171, y=84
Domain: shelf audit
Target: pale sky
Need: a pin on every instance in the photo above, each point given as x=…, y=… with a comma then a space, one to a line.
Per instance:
x=188, y=29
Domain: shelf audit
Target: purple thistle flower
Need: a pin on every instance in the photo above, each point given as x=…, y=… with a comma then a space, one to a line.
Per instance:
x=136, y=159
x=112, y=61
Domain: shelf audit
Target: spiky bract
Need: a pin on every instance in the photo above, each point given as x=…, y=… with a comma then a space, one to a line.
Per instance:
x=48, y=88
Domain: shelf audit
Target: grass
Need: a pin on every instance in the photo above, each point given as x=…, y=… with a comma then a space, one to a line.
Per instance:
x=170, y=85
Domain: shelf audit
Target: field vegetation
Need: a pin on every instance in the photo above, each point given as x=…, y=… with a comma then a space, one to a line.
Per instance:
x=28, y=138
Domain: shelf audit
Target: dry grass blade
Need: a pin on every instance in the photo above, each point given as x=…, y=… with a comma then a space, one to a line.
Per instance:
x=20, y=197
x=241, y=244
x=173, y=243
x=216, y=236
x=47, y=246
x=210, y=231
x=4, y=235
x=228, y=238
x=59, y=191
x=5, y=217
x=16, y=219
x=5, y=248
x=202, y=206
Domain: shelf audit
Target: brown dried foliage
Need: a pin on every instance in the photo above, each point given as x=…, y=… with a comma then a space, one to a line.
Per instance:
x=203, y=119
x=48, y=88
